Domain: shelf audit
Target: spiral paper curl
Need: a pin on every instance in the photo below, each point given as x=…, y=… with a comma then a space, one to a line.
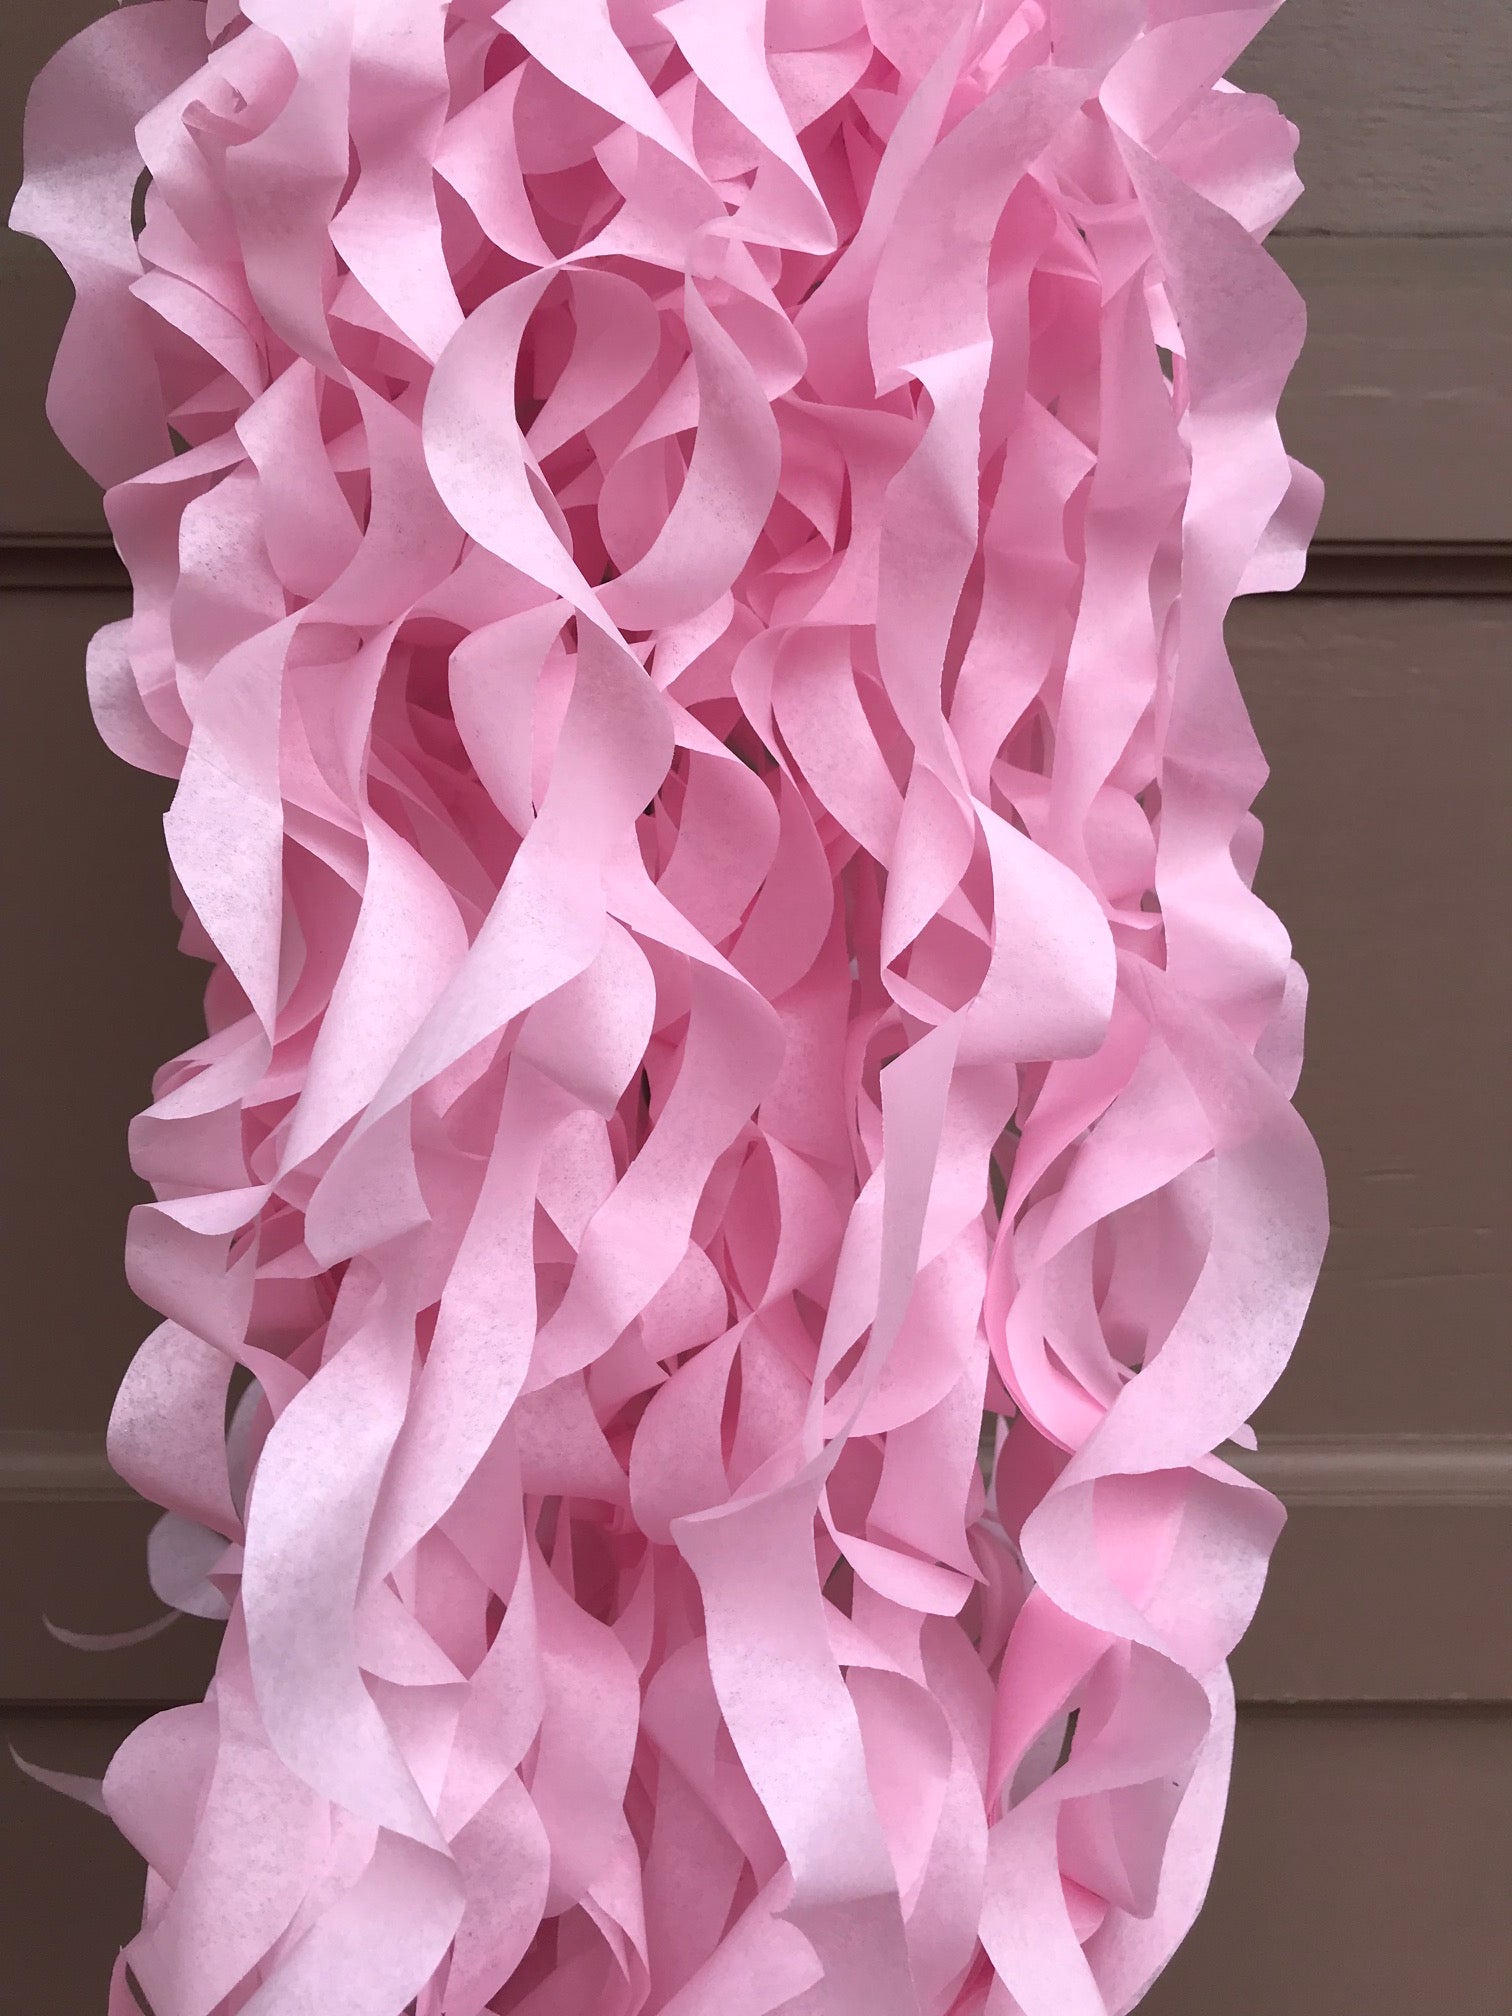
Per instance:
x=687, y=617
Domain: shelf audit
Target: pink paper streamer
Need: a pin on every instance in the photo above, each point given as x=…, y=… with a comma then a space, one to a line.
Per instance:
x=687, y=615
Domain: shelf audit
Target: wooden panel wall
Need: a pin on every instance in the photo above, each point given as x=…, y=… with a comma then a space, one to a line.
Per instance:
x=1372, y=1794
x=1373, y=1780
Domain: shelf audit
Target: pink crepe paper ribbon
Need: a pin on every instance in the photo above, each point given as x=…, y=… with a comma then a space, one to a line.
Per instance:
x=685, y=600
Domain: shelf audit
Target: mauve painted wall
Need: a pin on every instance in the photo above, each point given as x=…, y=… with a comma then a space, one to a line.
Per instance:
x=1372, y=1801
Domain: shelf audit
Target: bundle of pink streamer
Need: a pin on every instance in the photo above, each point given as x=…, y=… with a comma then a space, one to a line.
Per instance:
x=743, y=1167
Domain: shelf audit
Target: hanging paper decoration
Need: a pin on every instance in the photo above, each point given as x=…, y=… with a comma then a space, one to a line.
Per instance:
x=680, y=557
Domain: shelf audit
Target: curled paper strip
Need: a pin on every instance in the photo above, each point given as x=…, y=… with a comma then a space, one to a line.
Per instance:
x=680, y=557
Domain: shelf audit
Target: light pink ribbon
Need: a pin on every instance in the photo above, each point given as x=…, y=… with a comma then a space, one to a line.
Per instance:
x=744, y=1136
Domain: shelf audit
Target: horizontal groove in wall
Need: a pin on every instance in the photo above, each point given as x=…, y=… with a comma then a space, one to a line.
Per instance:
x=1400, y=1470
x=1335, y=567
x=1388, y=234
x=1359, y=568
x=69, y=565
x=42, y=1466
x=1379, y=1708
x=1383, y=1591
x=1344, y=569
x=44, y=1710
x=1366, y=1708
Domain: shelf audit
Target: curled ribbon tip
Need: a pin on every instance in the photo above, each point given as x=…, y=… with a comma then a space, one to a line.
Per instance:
x=680, y=556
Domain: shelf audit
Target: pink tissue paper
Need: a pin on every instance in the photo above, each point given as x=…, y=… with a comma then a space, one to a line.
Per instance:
x=742, y=1173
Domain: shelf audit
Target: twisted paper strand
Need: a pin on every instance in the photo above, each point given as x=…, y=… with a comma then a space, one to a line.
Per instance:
x=685, y=599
